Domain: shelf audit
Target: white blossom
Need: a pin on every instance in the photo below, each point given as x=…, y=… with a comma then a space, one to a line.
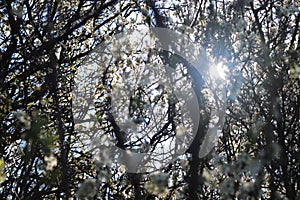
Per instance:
x=51, y=162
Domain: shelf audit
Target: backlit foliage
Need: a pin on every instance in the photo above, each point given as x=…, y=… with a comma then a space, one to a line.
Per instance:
x=42, y=44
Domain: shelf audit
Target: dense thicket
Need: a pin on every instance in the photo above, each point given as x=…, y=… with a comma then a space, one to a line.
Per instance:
x=42, y=44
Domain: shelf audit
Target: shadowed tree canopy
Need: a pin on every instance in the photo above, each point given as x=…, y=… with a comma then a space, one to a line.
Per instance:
x=43, y=44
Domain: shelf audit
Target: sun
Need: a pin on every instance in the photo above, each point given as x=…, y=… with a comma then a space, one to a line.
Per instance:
x=218, y=71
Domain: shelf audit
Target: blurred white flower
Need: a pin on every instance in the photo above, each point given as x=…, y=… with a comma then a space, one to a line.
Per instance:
x=18, y=11
x=180, y=133
x=122, y=169
x=57, y=52
x=248, y=186
x=131, y=160
x=88, y=189
x=158, y=184
x=206, y=175
x=23, y=119
x=51, y=162
x=227, y=187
